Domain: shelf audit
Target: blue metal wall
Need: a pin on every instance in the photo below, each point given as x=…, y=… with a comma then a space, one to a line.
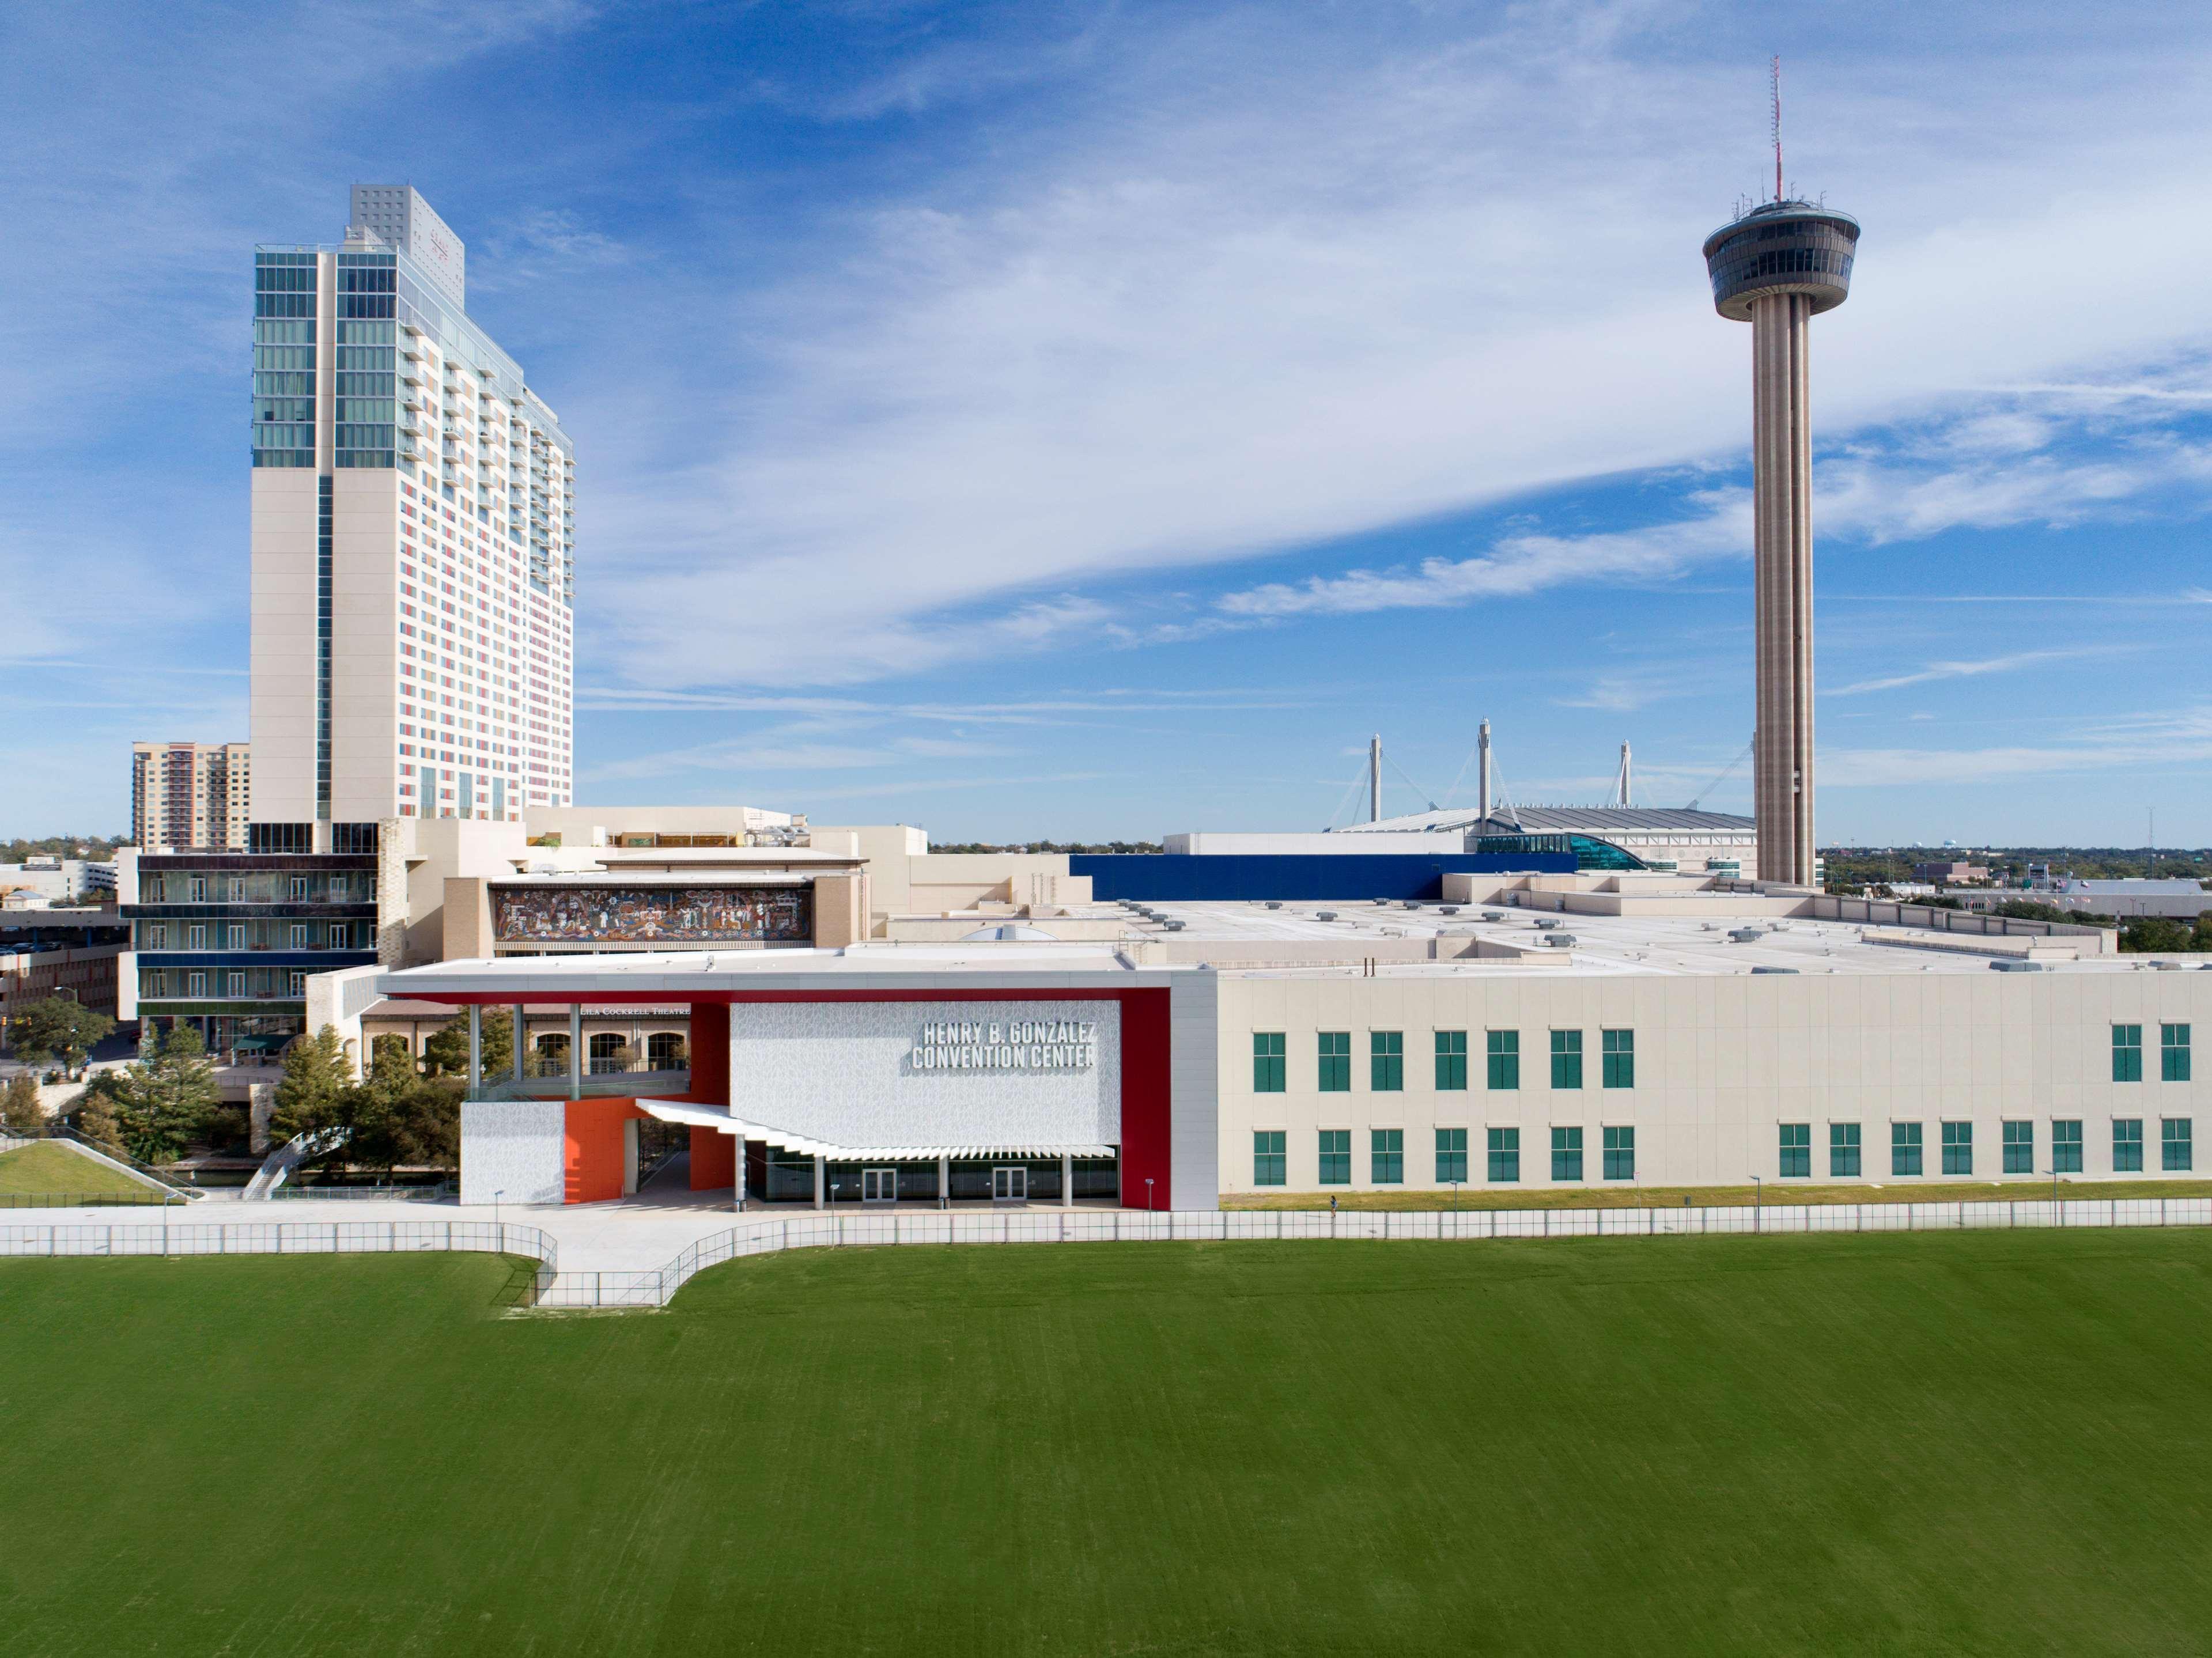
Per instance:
x=1168, y=877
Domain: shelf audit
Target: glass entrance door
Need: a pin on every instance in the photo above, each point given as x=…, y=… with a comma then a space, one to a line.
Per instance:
x=879, y=1186
x=1010, y=1185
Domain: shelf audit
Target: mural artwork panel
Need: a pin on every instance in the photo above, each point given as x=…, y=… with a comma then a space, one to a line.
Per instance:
x=645, y=914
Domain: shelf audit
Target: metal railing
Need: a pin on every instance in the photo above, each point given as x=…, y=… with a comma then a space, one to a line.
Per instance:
x=147, y=1197
x=553, y=1289
x=770, y=1236
x=342, y=1237
x=549, y=1078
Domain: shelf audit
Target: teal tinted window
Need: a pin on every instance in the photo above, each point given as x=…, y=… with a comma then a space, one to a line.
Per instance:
x=1796, y=1151
x=1270, y=1164
x=2127, y=1145
x=1619, y=1153
x=1505, y=1057
x=2173, y=1052
x=1267, y=1062
x=2127, y=1052
x=1506, y=1154
x=1386, y=1061
x=2020, y=1148
x=1566, y=1154
x=1336, y=1156
x=1958, y=1148
x=1843, y=1151
x=1566, y=1059
x=1451, y=1155
x=1904, y=1148
x=1386, y=1157
x=1336, y=1062
x=2066, y=1147
x=1619, y=1058
x=1451, y=1061
x=2177, y=1152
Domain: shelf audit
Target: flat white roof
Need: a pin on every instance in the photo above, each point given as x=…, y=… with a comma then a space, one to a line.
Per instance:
x=996, y=965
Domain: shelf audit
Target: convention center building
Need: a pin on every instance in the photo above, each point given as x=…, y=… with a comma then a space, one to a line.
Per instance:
x=1565, y=1029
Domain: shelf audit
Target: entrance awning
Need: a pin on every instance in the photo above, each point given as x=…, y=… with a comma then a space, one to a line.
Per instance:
x=722, y=1119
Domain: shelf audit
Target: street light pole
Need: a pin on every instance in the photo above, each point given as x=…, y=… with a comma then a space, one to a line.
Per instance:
x=1148, y=1193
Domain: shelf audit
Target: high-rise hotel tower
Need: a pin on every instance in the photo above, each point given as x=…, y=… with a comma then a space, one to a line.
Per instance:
x=414, y=545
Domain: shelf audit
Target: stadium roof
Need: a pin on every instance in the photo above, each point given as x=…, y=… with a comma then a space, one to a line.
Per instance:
x=1564, y=820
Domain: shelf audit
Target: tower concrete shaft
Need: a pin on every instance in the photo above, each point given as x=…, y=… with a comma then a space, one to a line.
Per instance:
x=1781, y=496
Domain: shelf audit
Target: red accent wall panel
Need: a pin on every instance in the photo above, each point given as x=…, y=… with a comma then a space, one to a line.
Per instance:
x=1148, y=1111
x=713, y=1159
x=593, y=1161
x=709, y=1043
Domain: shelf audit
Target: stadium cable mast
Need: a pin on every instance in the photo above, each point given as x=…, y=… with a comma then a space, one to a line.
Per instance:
x=1776, y=266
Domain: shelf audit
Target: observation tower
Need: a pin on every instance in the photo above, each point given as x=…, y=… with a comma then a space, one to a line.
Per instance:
x=1777, y=267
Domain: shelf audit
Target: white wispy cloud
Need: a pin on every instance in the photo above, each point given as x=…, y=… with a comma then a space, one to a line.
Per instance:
x=2007, y=664
x=2152, y=741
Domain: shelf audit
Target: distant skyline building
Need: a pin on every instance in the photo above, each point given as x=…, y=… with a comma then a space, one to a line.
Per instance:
x=1777, y=267
x=413, y=544
x=191, y=794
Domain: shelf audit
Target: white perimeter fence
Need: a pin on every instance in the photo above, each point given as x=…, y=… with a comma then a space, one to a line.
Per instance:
x=771, y=1235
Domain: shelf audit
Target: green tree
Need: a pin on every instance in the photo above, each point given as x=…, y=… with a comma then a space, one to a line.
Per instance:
x=317, y=1082
x=445, y=1053
x=399, y=1116
x=57, y=1028
x=18, y=1106
x=163, y=1102
x=96, y=1120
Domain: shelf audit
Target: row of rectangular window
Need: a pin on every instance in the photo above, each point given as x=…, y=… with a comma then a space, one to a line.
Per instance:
x=157, y=984
x=1387, y=1152
x=2176, y=1147
x=1385, y=1060
x=2172, y=1053
x=1386, y=1155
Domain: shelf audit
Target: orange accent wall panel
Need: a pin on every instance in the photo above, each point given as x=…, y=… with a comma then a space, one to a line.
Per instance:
x=593, y=1154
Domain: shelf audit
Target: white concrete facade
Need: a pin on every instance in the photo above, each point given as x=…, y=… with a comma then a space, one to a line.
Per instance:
x=1721, y=1061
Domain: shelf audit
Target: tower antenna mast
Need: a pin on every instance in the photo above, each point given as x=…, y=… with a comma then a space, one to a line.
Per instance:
x=1774, y=122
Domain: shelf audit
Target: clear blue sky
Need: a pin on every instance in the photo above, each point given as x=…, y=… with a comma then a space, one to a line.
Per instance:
x=1094, y=420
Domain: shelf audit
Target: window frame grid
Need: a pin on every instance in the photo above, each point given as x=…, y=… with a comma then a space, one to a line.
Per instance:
x=1503, y=1147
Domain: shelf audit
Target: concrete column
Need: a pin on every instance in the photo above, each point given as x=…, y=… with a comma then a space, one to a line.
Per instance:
x=740, y=1182
x=1066, y=1181
x=945, y=1182
x=1782, y=508
x=475, y=1047
x=821, y=1180
x=521, y=1041
x=575, y=1050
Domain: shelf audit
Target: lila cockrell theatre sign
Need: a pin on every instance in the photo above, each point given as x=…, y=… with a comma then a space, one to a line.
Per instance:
x=1014, y=1045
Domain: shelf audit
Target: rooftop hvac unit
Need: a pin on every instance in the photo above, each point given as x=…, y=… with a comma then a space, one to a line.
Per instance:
x=1274, y=904
x=1493, y=914
x=1413, y=903
x=1547, y=922
x=1324, y=915
x=2016, y=967
x=1447, y=909
x=1559, y=940
x=1745, y=935
x=1774, y=969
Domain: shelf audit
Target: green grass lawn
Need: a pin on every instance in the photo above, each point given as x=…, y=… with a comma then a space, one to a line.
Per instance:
x=1675, y=1197
x=49, y=1168
x=1961, y=1443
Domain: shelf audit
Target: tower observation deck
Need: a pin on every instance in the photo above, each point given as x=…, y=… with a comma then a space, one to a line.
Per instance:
x=1777, y=267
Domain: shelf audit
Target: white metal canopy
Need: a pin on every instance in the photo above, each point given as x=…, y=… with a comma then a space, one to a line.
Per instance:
x=723, y=1120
